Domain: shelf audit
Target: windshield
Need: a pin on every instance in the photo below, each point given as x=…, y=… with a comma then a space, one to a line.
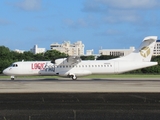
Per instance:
x=14, y=65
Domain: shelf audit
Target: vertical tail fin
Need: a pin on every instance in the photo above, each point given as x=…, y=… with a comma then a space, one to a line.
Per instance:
x=144, y=52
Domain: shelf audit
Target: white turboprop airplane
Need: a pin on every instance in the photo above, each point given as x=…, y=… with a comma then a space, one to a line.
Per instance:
x=74, y=66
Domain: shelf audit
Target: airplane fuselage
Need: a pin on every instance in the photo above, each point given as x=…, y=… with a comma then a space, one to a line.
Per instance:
x=73, y=66
x=80, y=69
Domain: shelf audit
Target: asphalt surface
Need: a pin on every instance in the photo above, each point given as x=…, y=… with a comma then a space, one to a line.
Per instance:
x=84, y=99
x=81, y=85
x=80, y=106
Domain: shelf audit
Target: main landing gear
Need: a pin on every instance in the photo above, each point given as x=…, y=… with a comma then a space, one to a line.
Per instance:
x=12, y=77
x=73, y=76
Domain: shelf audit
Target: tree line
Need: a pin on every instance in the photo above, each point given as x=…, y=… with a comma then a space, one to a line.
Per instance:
x=7, y=57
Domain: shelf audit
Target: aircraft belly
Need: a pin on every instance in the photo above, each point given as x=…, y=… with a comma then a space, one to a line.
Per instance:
x=76, y=72
x=129, y=66
x=83, y=72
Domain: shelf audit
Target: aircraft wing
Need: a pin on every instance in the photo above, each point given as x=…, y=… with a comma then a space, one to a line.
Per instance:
x=73, y=59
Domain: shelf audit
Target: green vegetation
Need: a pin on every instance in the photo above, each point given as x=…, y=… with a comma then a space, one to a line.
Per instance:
x=7, y=57
x=123, y=76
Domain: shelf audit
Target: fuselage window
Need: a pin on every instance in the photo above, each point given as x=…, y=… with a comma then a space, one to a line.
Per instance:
x=92, y=65
x=98, y=65
x=101, y=65
x=63, y=66
x=66, y=66
x=79, y=66
x=104, y=65
x=86, y=65
x=95, y=65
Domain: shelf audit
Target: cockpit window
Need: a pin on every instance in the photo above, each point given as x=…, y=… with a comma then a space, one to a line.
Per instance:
x=14, y=65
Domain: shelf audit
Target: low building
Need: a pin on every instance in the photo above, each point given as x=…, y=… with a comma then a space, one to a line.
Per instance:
x=75, y=49
x=36, y=50
x=89, y=52
x=19, y=51
x=116, y=52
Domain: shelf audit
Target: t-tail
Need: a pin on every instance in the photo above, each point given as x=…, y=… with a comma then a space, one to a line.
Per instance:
x=144, y=52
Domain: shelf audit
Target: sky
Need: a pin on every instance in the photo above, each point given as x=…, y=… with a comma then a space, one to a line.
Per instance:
x=99, y=24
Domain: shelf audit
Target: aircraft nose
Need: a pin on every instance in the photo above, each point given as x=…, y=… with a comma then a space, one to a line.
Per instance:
x=4, y=71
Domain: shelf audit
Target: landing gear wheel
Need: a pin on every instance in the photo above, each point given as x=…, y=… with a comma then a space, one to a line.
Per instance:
x=12, y=77
x=74, y=77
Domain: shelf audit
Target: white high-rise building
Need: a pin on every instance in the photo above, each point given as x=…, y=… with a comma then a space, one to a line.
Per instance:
x=36, y=50
x=75, y=49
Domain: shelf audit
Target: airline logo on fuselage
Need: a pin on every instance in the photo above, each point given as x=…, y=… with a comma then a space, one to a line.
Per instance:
x=37, y=66
x=145, y=51
x=43, y=66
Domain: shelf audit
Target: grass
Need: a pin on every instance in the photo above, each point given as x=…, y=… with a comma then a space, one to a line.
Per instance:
x=124, y=76
x=97, y=76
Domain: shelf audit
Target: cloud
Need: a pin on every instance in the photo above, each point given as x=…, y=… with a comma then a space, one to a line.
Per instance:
x=117, y=16
x=131, y=4
x=120, y=11
x=75, y=24
x=109, y=32
x=4, y=22
x=29, y=5
x=84, y=22
x=104, y=5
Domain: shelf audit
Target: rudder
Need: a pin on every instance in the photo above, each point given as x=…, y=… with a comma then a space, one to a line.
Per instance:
x=144, y=52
